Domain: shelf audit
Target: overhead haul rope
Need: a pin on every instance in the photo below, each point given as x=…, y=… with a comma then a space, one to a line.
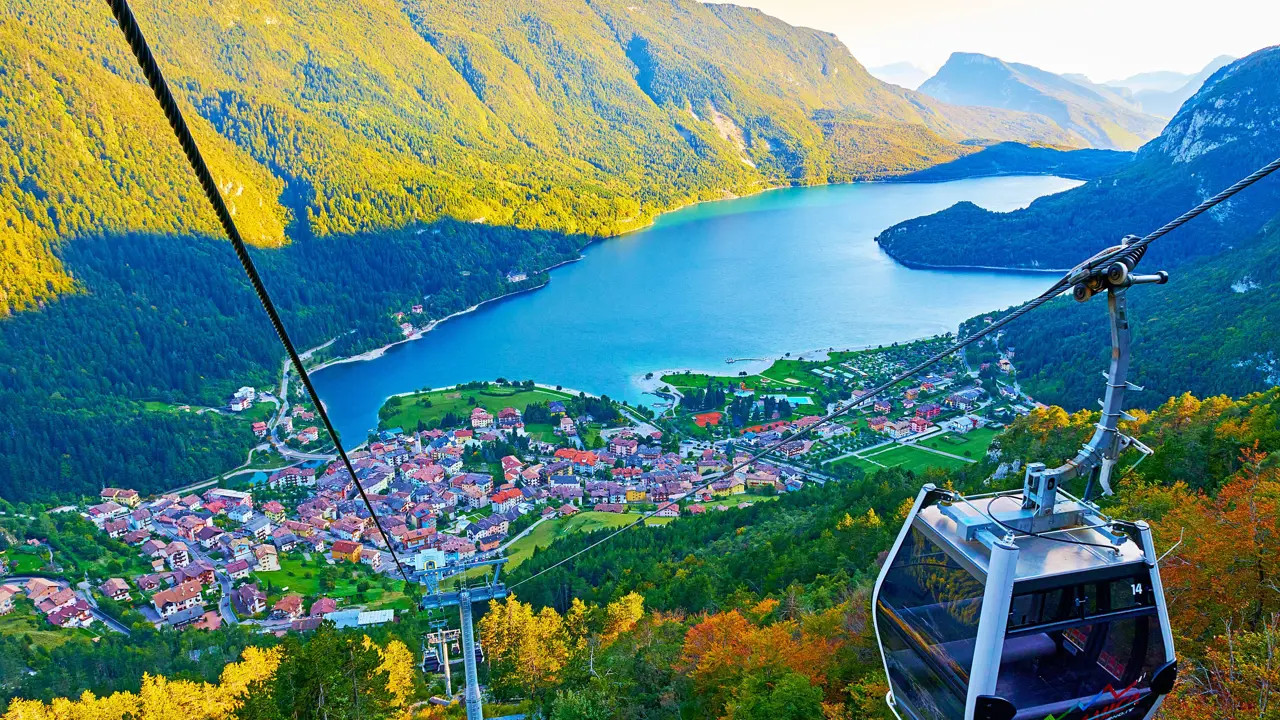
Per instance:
x=1054, y=291
x=155, y=78
x=142, y=51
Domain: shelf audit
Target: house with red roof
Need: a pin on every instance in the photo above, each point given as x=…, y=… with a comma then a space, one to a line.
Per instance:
x=345, y=550
x=289, y=606
x=322, y=606
x=116, y=589
x=505, y=500
x=418, y=538
x=274, y=511
x=480, y=418
x=126, y=497
x=74, y=615
x=176, y=599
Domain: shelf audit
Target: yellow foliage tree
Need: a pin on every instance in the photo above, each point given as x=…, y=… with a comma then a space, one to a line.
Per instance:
x=621, y=615
x=160, y=698
x=528, y=649
x=397, y=662
x=577, y=624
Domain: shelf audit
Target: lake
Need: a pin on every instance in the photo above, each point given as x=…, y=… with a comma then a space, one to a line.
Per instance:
x=791, y=270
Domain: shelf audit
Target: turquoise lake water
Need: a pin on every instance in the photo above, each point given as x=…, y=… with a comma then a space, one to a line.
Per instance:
x=792, y=270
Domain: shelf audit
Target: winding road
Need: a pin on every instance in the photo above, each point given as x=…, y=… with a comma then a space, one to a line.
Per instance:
x=285, y=450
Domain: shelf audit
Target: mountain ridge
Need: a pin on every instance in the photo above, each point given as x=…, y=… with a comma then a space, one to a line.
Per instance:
x=1094, y=117
x=559, y=115
x=1164, y=103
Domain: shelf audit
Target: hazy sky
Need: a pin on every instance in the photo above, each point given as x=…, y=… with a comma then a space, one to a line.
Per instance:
x=1104, y=39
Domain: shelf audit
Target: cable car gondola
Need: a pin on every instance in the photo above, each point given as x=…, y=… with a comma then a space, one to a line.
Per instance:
x=1032, y=604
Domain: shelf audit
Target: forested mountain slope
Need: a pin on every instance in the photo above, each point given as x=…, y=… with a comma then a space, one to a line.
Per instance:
x=1214, y=329
x=1226, y=131
x=172, y=321
x=1094, y=116
x=553, y=114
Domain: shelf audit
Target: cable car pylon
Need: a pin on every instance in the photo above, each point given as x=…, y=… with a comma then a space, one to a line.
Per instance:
x=430, y=571
x=1040, y=606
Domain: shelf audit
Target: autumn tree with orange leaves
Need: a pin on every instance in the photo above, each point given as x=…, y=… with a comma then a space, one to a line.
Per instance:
x=1227, y=569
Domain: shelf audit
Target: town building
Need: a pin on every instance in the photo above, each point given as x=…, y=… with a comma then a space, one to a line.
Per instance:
x=178, y=598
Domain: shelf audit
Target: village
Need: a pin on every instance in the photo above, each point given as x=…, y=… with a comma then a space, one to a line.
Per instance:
x=479, y=478
x=302, y=548
x=945, y=418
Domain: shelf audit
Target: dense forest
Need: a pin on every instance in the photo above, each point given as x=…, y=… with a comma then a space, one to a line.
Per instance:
x=1214, y=329
x=1010, y=158
x=763, y=612
x=173, y=321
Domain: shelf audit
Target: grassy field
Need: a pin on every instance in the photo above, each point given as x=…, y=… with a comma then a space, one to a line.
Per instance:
x=905, y=457
x=260, y=412
x=974, y=442
x=21, y=563
x=405, y=412
x=293, y=575
x=540, y=431
x=549, y=531
x=782, y=375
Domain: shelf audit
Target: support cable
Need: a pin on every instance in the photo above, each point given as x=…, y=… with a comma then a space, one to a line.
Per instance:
x=155, y=78
x=1054, y=291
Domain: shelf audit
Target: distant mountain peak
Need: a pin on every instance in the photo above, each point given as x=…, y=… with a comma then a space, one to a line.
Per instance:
x=1095, y=115
x=1161, y=93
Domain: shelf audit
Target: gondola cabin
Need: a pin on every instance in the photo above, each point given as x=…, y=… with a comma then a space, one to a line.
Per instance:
x=991, y=608
x=433, y=660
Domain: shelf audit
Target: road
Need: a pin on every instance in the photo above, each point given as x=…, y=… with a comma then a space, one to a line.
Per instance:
x=198, y=554
x=502, y=549
x=273, y=424
x=643, y=426
x=85, y=595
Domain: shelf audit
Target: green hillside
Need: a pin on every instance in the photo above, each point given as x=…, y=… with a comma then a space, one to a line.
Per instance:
x=354, y=117
x=1214, y=329
x=1093, y=115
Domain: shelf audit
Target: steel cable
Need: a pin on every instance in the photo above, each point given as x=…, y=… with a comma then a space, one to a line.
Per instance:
x=1054, y=291
x=155, y=78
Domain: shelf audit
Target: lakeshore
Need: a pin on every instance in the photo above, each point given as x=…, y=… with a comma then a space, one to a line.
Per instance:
x=702, y=284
